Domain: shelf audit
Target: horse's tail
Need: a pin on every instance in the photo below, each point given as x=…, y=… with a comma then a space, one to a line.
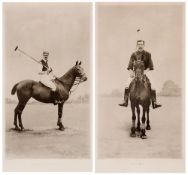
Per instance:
x=14, y=89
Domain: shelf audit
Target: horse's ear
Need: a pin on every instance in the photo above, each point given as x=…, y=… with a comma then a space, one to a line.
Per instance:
x=76, y=63
x=80, y=63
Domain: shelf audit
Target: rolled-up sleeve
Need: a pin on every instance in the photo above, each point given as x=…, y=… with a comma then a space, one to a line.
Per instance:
x=150, y=62
x=130, y=65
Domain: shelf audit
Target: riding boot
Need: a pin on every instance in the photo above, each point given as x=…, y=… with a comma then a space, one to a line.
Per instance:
x=126, y=97
x=154, y=100
x=54, y=97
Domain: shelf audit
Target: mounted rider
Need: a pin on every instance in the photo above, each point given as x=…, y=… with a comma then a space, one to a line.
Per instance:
x=47, y=78
x=144, y=56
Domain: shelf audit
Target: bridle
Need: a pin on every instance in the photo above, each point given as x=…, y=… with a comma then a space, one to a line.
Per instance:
x=76, y=83
x=140, y=68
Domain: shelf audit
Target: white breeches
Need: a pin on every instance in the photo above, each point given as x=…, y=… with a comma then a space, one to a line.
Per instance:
x=148, y=74
x=47, y=81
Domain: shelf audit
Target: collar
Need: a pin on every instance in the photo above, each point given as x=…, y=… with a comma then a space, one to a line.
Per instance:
x=138, y=52
x=45, y=60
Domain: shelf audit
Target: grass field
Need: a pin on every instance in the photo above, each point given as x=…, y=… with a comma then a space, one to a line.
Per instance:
x=42, y=139
x=164, y=139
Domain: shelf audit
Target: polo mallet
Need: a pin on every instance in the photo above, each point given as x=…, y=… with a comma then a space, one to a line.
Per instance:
x=29, y=56
x=139, y=32
x=21, y=51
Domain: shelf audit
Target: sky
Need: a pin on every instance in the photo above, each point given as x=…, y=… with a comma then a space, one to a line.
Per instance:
x=162, y=28
x=65, y=30
x=62, y=29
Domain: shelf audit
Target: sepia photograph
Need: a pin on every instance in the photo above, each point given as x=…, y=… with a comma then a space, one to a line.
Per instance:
x=93, y=87
x=140, y=87
x=47, y=51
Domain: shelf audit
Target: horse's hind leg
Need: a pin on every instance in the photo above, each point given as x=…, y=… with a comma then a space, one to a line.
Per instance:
x=20, y=122
x=148, y=127
x=143, y=130
x=18, y=112
x=15, y=120
x=133, y=129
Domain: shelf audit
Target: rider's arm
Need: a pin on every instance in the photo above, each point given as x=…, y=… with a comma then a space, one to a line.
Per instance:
x=150, y=62
x=49, y=70
x=130, y=65
x=39, y=68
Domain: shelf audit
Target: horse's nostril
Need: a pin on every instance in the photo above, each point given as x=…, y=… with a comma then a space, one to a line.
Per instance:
x=85, y=79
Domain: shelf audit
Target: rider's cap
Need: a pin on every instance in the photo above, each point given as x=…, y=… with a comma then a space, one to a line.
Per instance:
x=45, y=53
x=140, y=42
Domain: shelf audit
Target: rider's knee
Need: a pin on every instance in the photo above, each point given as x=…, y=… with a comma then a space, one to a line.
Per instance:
x=53, y=88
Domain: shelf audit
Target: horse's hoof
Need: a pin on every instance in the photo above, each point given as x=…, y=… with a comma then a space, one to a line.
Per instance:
x=17, y=128
x=148, y=127
x=133, y=134
x=144, y=137
x=62, y=129
x=22, y=129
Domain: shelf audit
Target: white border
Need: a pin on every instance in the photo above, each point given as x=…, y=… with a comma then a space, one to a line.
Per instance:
x=93, y=93
x=47, y=165
x=93, y=70
x=142, y=165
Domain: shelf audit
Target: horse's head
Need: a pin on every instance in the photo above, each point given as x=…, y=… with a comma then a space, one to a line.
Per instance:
x=139, y=69
x=79, y=71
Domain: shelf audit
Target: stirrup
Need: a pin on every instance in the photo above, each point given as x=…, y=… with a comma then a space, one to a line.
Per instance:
x=58, y=101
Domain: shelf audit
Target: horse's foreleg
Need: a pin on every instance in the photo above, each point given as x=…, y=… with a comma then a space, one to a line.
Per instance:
x=143, y=130
x=138, y=122
x=133, y=129
x=60, y=113
x=148, y=127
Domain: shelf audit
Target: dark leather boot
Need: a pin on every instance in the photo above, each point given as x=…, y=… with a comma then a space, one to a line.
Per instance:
x=126, y=97
x=54, y=96
x=154, y=100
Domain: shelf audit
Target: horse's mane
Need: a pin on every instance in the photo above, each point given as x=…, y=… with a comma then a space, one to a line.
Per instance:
x=66, y=75
x=145, y=81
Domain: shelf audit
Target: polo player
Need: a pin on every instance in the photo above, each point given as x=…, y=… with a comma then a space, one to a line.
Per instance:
x=144, y=56
x=47, y=78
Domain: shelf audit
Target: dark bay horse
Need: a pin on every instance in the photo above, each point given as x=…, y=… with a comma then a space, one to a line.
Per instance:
x=27, y=89
x=140, y=95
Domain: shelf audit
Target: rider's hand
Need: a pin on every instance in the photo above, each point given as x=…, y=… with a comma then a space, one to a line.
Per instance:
x=49, y=70
x=146, y=71
x=131, y=73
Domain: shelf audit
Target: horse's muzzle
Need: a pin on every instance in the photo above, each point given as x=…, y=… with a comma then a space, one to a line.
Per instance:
x=84, y=78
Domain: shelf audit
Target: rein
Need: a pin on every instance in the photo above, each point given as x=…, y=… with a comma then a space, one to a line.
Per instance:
x=76, y=82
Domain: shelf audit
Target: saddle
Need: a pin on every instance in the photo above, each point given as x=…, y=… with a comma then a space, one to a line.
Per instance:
x=60, y=92
x=43, y=85
x=145, y=80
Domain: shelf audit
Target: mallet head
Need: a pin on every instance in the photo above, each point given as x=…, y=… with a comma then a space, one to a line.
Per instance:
x=16, y=48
